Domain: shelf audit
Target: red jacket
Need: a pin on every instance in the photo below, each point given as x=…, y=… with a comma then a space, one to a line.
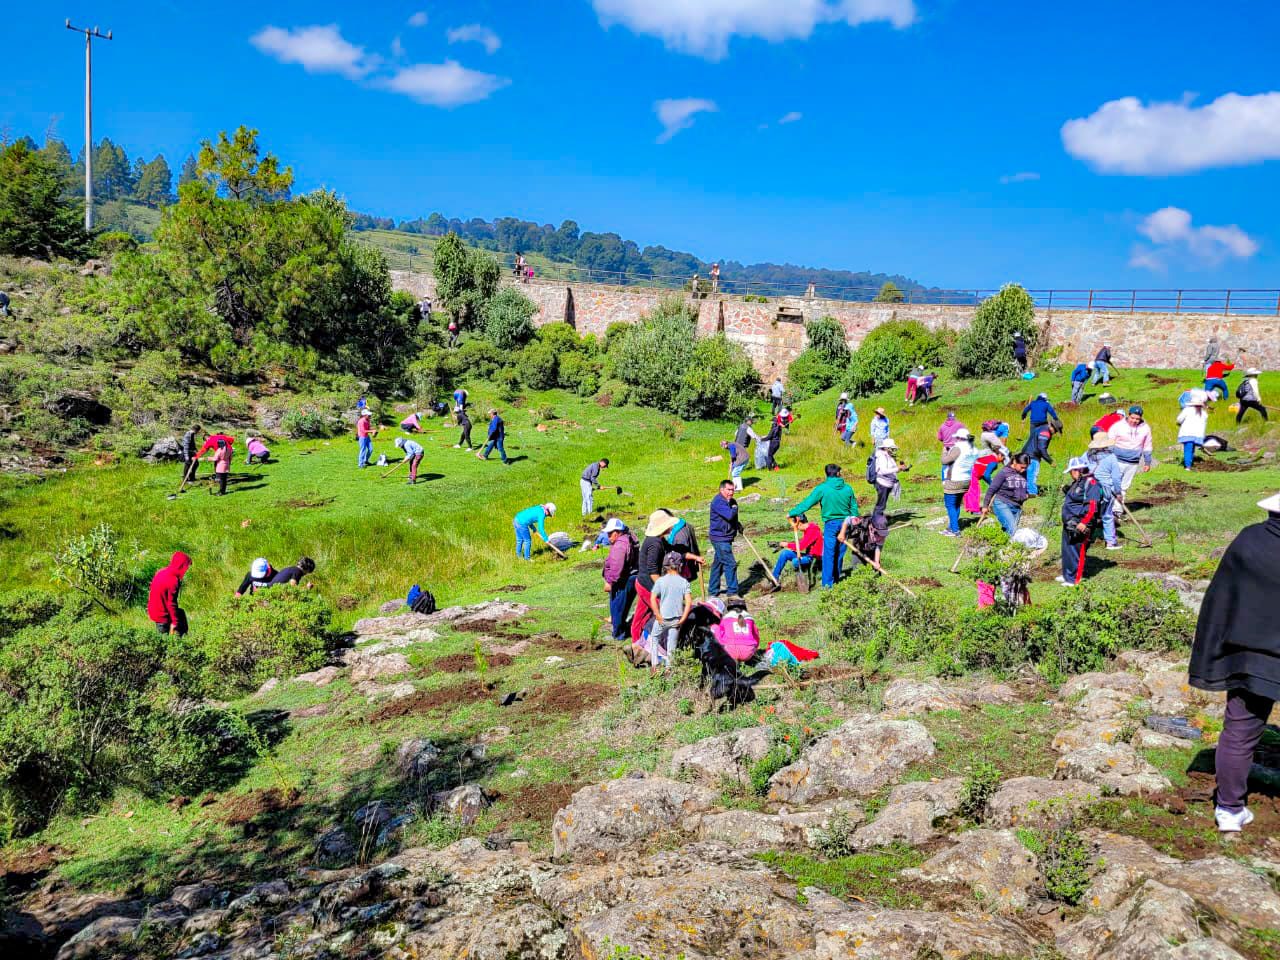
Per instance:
x=1218, y=370
x=1107, y=422
x=810, y=542
x=162, y=602
x=212, y=443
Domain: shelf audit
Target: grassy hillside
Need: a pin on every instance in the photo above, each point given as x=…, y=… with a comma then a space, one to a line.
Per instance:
x=585, y=717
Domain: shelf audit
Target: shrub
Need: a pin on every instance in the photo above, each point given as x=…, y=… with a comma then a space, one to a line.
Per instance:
x=580, y=374
x=762, y=770
x=653, y=355
x=837, y=838
x=309, y=423
x=889, y=352
x=96, y=565
x=20, y=609
x=978, y=787
x=276, y=632
x=110, y=243
x=431, y=373
x=890, y=293
x=476, y=358
x=870, y=619
x=508, y=319
x=985, y=350
x=826, y=337
x=204, y=748
x=809, y=374
x=538, y=366
x=719, y=382
x=1065, y=858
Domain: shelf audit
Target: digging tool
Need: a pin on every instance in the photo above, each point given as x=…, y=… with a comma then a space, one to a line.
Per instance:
x=1146, y=541
x=802, y=579
x=767, y=572
x=399, y=464
x=880, y=570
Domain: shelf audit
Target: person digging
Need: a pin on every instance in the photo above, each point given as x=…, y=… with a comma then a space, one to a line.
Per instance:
x=590, y=483
x=532, y=520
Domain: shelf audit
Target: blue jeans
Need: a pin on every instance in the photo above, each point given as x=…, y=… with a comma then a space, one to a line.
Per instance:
x=832, y=552
x=491, y=446
x=524, y=540
x=1108, y=516
x=1006, y=514
x=723, y=564
x=366, y=451
x=1101, y=372
x=1220, y=384
x=1033, y=471
x=1189, y=452
x=789, y=556
x=620, y=598
x=1077, y=390
x=953, y=501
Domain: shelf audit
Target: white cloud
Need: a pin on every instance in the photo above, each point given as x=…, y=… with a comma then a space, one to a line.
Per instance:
x=419, y=19
x=1024, y=176
x=397, y=48
x=677, y=115
x=703, y=27
x=791, y=117
x=475, y=33
x=318, y=49
x=1128, y=136
x=447, y=84
x=1173, y=237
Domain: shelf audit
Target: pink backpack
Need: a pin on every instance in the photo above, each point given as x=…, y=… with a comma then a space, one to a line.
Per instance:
x=738, y=635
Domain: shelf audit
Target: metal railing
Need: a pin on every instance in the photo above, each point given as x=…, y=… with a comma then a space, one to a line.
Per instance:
x=1225, y=302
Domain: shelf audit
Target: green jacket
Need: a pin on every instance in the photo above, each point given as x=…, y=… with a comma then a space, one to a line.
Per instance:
x=836, y=497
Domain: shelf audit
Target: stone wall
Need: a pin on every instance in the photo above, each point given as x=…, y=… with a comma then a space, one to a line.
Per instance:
x=773, y=333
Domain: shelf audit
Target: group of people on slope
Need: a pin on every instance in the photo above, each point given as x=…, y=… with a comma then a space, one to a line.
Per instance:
x=166, y=613
x=220, y=449
x=739, y=448
x=413, y=451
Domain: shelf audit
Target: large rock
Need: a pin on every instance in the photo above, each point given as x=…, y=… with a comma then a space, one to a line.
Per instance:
x=751, y=830
x=1128, y=684
x=607, y=817
x=1033, y=801
x=868, y=933
x=1103, y=704
x=1142, y=927
x=910, y=813
x=320, y=678
x=1172, y=695
x=724, y=758
x=164, y=449
x=379, y=666
x=465, y=803
x=1114, y=767
x=478, y=616
x=415, y=758
x=1229, y=889
x=1123, y=863
x=1089, y=733
x=104, y=936
x=906, y=697
x=858, y=757
x=992, y=863
x=415, y=627
x=524, y=931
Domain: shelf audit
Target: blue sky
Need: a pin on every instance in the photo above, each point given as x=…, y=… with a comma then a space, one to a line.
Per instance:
x=961, y=142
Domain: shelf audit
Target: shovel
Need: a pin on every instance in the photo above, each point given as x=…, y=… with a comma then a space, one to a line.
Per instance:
x=398, y=465
x=764, y=566
x=1146, y=541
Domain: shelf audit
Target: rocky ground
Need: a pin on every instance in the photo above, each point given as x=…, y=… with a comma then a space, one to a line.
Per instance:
x=657, y=865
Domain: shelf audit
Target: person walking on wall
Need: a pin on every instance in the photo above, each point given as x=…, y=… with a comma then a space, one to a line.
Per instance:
x=838, y=503
x=590, y=483
x=722, y=529
x=1237, y=650
x=715, y=278
x=1249, y=395
x=497, y=436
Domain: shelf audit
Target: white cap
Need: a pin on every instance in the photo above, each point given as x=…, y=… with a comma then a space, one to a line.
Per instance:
x=400, y=442
x=888, y=443
x=1271, y=504
x=1078, y=463
x=550, y=508
x=259, y=568
x=614, y=524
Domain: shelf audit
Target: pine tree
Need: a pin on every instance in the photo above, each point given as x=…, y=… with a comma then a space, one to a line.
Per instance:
x=35, y=219
x=155, y=183
x=188, y=172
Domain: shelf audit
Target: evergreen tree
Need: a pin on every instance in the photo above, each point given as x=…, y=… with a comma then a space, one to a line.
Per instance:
x=155, y=183
x=35, y=218
x=112, y=174
x=188, y=172
x=56, y=152
x=890, y=293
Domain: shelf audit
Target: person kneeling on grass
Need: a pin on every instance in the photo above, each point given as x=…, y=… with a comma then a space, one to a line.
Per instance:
x=413, y=452
x=293, y=575
x=800, y=554
x=1081, y=507
x=256, y=450
x=1237, y=649
x=670, y=601
x=527, y=522
x=260, y=575
x=412, y=423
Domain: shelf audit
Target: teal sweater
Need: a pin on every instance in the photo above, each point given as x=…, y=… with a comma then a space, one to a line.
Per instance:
x=534, y=516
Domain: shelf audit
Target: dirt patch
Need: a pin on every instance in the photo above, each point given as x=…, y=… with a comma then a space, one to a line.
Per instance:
x=964, y=391
x=513, y=588
x=604, y=399
x=1217, y=465
x=242, y=810
x=424, y=701
x=570, y=698
x=19, y=871
x=807, y=484
x=302, y=503
x=929, y=582
x=347, y=602
x=493, y=628
x=1152, y=562
x=1160, y=381
x=1170, y=491
x=541, y=802
x=466, y=662
x=924, y=478
x=553, y=641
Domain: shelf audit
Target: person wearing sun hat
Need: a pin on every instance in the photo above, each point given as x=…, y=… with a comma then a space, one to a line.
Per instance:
x=1105, y=468
x=1081, y=504
x=649, y=568
x=1237, y=650
x=879, y=427
x=1249, y=395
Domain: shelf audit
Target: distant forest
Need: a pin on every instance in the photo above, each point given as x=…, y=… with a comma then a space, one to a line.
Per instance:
x=609, y=252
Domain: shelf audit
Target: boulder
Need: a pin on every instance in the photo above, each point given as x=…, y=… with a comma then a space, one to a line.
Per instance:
x=751, y=830
x=416, y=627
x=869, y=933
x=372, y=816
x=466, y=802
x=1229, y=889
x=1033, y=801
x=1140, y=928
x=1172, y=695
x=379, y=666
x=477, y=616
x=724, y=758
x=1088, y=733
x=905, y=697
x=1128, y=684
x=1112, y=766
x=1123, y=863
x=202, y=944
x=858, y=757
x=194, y=896
x=1103, y=704
x=163, y=450
x=415, y=758
x=165, y=915
x=394, y=691
x=320, y=678
x=334, y=846
x=992, y=863
x=103, y=936
x=524, y=931
x=910, y=813
x=607, y=817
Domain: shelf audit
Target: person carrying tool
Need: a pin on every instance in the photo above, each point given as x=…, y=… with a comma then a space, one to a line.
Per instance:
x=1249, y=395
x=162, y=598
x=1215, y=378
x=1007, y=493
x=838, y=503
x=653, y=549
x=620, y=574
x=1039, y=411
x=1237, y=649
x=1081, y=504
x=866, y=538
x=413, y=452
x=190, y=456
x=802, y=552
x=1106, y=469
x=1133, y=446
x=497, y=435
x=532, y=520
x=721, y=530
x=737, y=461
x=590, y=483
x=1102, y=366
x=260, y=574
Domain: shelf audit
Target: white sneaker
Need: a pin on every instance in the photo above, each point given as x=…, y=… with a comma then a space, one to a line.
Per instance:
x=1229, y=822
x=1060, y=579
x=1115, y=546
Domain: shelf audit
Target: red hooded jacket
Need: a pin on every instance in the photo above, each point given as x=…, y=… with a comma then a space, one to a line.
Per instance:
x=162, y=602
x=212, y=443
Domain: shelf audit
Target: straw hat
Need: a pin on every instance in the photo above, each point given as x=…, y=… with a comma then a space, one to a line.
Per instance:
x=1101, y=441
x=1271, y=504
x=660, y=522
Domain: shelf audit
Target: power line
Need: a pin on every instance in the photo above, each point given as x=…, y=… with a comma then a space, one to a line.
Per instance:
x=89, y=34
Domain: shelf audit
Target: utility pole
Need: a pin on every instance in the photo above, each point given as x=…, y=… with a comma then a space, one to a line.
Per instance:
x=88, y=116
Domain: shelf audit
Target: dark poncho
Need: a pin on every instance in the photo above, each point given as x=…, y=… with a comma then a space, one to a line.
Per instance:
x=1237, y=643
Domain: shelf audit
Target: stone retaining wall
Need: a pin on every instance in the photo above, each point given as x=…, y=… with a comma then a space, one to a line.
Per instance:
x=773, y=333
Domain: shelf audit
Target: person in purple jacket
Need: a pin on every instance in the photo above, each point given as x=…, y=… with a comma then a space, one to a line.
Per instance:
x=619, y=573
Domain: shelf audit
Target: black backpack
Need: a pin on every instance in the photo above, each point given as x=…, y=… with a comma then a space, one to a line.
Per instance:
x=1242, y=391
x=871, y=469
x=425, y=602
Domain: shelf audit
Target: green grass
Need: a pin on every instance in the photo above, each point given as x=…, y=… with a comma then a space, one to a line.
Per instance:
x=372, y=538
x=870, y=876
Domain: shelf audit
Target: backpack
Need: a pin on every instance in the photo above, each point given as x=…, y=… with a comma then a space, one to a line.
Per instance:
x=420, y=601
x=871, y=469
x=1245, y=390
